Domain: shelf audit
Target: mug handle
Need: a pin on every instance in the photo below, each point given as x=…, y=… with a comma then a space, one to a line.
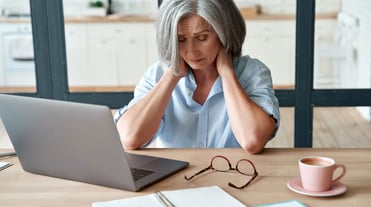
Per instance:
x=342, y=174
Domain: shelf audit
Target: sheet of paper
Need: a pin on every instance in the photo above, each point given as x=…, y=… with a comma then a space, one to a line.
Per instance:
x=139, y=201
x=204, y=196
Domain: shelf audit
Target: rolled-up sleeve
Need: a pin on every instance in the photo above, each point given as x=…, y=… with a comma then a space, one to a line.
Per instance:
x=255, y=78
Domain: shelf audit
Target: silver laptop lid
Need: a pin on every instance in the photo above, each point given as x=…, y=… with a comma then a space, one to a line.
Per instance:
x=66, y=140
x=78, y=142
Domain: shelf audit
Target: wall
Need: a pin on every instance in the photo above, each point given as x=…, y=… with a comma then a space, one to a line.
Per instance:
x=289, y=6
x=14, y=7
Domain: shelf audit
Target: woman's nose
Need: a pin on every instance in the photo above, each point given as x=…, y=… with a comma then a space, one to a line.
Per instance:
x=191, y=47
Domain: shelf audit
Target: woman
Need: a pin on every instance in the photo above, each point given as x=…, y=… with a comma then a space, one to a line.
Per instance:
x=202, y=93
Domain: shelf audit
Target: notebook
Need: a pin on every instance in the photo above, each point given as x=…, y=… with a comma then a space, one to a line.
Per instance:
x=201, y=196
x=77, y=142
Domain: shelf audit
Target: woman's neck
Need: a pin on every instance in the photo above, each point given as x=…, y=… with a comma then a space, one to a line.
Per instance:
x=205, y=80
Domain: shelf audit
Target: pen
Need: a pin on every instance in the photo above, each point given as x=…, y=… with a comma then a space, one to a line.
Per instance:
x=8, y=154
x=166, y=202
x=5, y=166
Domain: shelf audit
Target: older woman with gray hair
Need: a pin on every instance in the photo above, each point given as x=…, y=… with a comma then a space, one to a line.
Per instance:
x=202, y=93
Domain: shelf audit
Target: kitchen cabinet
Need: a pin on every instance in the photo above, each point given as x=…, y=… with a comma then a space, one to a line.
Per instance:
x=17, y=67
x=118, y=53
x=331, y=60
x=103, y=43
x=107, y=54
x=102, y=62
x=273, y=42
x=274, y=7
x=132, y=54
x=152, y=50
x=76, y=46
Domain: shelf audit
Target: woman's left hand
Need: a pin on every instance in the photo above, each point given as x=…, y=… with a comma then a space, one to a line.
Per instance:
x=223, y=61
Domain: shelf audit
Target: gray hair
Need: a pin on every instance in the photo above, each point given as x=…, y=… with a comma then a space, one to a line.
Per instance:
x=223, y=16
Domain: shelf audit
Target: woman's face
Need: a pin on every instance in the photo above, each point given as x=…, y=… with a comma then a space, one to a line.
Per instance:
x=198, y=43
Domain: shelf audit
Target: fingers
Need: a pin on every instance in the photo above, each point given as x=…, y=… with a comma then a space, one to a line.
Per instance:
x=182, y=67
x=224, y=59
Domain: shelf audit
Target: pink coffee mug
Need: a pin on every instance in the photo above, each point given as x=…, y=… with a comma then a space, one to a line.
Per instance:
x=316, y=173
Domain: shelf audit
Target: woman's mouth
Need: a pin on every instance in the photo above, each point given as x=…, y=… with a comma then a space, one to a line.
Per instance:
x=195, y=61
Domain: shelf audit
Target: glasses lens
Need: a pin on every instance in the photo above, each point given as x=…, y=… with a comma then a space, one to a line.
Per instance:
x=245, y=167
x=220, y=164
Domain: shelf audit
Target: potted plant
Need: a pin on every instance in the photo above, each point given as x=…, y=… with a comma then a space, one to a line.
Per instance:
x=96, y=8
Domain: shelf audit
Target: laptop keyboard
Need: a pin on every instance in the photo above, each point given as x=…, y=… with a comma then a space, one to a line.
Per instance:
x=140, y=173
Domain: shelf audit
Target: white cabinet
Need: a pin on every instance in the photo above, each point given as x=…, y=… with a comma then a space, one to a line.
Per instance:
x=103, y=44
x=76, y=47
x=102, y=62
x=17, y=66
x=117, y=54
x=107, y=54
x=325, y=30
x=280, y=7
x=329, y=57
x=152, y=50
x=273, y=42
x=132, y=54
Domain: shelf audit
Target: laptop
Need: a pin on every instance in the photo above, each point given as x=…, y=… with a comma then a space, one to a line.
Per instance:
x=77, y=142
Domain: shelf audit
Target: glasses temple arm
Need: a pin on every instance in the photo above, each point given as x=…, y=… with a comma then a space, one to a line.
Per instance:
x=201, y=171
x=241, y=187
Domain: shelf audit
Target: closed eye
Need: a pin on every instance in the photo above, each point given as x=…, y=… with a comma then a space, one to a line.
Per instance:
x=181, y=39
x=202, y=37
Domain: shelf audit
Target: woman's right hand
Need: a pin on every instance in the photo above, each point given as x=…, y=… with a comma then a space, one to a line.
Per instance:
x=182, y=68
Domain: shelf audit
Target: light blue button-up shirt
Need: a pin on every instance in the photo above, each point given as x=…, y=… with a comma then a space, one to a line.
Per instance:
x=187, y=124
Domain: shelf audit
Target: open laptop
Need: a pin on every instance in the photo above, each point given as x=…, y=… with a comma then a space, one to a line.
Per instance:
x=78, y=142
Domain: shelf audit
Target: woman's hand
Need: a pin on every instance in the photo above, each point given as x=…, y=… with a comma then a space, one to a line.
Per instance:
x=170, y=72
x=223, y=62
x=182, y=68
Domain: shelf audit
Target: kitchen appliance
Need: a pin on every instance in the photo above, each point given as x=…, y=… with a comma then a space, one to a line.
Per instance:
x=17, y=65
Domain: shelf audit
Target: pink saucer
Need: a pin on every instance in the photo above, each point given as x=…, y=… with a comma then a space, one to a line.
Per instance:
x=336, y=189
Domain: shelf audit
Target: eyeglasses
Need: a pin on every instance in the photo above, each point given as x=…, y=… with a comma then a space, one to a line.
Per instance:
x=220, y=163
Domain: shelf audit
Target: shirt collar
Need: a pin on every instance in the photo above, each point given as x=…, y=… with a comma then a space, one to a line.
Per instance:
x=215, y=89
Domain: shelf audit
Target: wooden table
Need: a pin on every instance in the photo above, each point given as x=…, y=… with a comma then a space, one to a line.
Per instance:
x=275, y=167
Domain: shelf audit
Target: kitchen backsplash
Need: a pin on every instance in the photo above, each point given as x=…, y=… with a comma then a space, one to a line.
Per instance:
x=149, y=7
x=126, y=7
x=14, y=7
x=78, y=7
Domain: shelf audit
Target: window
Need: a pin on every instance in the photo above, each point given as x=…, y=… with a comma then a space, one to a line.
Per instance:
x=52, y=76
